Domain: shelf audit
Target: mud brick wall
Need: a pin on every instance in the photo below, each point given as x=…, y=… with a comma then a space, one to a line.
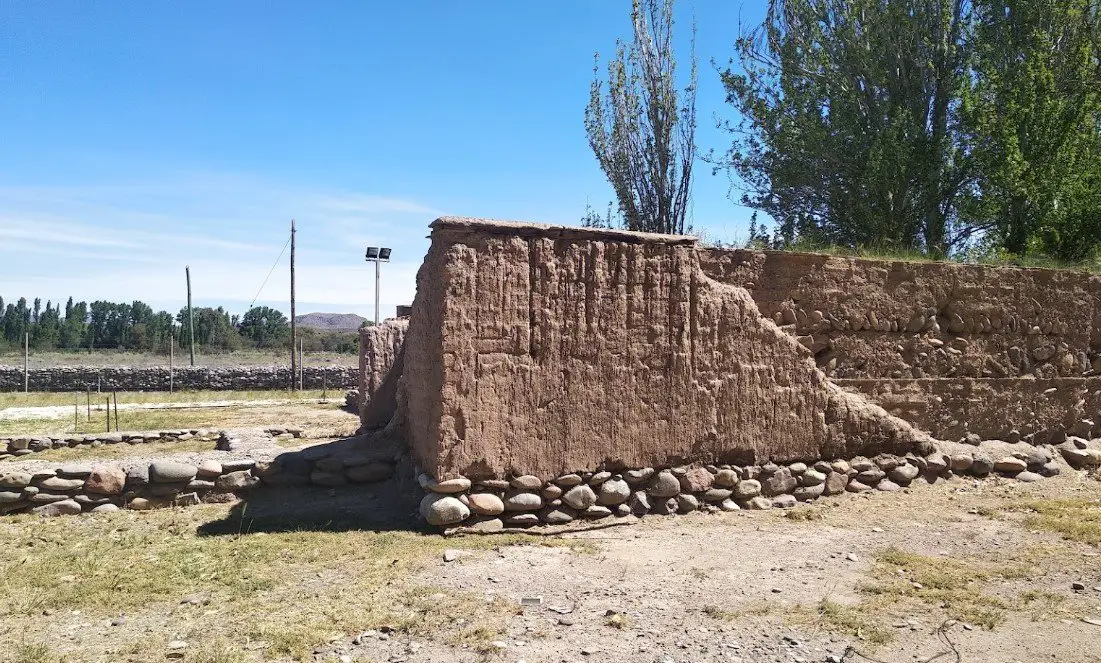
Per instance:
x=954, y=349
x=545, y=350
x=156, y=378
x=894, y=319
x=379, y=349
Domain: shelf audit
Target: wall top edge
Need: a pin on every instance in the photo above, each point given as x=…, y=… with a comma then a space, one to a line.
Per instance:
x=451, y=224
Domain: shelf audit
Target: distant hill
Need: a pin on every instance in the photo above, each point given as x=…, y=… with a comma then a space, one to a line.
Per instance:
x=330, y=321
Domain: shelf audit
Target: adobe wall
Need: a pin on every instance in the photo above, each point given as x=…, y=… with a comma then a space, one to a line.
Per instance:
x=543, y=350
x=1016, y=349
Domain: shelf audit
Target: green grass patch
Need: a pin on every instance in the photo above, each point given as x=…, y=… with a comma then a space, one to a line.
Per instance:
x=1073, y=519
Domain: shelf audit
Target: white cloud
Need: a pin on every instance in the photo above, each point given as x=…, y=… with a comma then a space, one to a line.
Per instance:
x=131, y=241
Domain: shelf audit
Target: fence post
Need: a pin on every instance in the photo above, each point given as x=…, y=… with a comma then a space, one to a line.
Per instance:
x=26, y=362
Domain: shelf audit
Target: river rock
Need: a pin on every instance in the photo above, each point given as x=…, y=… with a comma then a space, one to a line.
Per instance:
x=62, y=508
x=209, y=469
x=726, y=478
x=569, y=480
x=808, y=493
x=856, y=486
x=447, y=486
x=696, y=480
x=639, y=502
x=105, y=480
x=440, y=510
x=635, y=477
x=486, y=504
x=526, y=482
x=557, y=515
x=1010, y=465
x=580, y=497
x=812, y=477
x=903, y=474
x=613, y=492
x=747, y=489
x=59, y=485
x=370, y=472
x=961, y=462
x=522, y=501
x=74, y=471
x=687, y=503
x=167, y=471
x=784, y=502
x=234, y=481
x=664, y=485
x=17, y=480
x=716, y=494
x=835, y=483
x=781, y=482
x=759, y=504
x=982, y=465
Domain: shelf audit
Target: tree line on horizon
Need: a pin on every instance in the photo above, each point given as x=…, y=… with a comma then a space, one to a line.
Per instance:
x=951, y=128
x=103, y=325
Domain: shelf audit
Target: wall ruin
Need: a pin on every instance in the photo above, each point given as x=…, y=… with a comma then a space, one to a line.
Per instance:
x=544, y=350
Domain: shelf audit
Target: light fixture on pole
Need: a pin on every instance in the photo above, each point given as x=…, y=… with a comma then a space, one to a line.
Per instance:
x=377, y=255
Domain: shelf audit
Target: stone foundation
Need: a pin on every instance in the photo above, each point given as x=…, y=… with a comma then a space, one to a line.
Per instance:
x=26, y=445
x=527, y=500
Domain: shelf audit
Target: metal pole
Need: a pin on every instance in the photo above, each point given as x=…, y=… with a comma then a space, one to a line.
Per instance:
x=376, y=290
x=294, y=325
x=190, y=315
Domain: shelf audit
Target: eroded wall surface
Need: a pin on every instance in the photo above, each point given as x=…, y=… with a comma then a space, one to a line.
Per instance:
x=953, y=348
x=544, y=350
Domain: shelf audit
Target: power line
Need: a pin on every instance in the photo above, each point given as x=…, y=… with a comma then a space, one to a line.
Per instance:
x=270, y=272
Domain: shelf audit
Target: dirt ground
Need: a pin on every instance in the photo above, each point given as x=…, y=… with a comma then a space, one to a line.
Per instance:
x=963, y=570
x=349, y=576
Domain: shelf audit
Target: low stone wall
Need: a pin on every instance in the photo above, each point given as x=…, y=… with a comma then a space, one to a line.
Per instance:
x=156, y=378
x=380, y=353
x=527, y=500
x=75, y=488
x=25, y=445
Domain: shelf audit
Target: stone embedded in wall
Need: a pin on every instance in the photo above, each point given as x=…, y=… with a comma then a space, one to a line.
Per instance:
x=156, y=378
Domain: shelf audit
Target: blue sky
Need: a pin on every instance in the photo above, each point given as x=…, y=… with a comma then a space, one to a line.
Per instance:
x=138, y=137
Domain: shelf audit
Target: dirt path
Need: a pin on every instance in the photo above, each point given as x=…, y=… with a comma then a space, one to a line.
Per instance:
x=755, y=586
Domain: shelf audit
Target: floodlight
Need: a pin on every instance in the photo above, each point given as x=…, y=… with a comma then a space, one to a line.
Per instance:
x=372, y=253
x=384, y=254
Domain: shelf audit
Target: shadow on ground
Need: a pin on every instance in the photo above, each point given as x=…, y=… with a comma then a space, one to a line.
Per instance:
x=380, y=506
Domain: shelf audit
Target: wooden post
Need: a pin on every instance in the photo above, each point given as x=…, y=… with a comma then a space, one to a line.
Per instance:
x=115, y=396
x=190, y=314
x=108, y=415
x=26, y=362
x=171, y=361
x=88, y=396
x=301, y=364
x=76, y=411
x=294, y=325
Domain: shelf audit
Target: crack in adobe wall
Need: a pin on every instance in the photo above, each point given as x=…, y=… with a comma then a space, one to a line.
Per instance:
x=616, y=350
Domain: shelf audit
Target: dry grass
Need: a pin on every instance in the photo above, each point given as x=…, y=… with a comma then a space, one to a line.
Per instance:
x=956, y=586
x=169, y=419
x=117, y=451
x=44, y=398
x=1073, y=519
x=281, y=594
x=804, y=513
x=863, y=621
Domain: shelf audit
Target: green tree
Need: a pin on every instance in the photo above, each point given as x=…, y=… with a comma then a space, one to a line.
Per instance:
x=265, y=327
x=641, y=129
x=1037, y=107
x=850, y=127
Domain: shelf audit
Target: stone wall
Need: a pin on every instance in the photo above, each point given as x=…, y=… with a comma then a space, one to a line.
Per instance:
x=541, y=351
x=156, y=378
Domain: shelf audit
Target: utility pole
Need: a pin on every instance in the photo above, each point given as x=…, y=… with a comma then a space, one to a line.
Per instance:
x=294, y=326
x=190, y=314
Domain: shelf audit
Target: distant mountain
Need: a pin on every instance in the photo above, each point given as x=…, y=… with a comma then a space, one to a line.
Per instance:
x=330, y=321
